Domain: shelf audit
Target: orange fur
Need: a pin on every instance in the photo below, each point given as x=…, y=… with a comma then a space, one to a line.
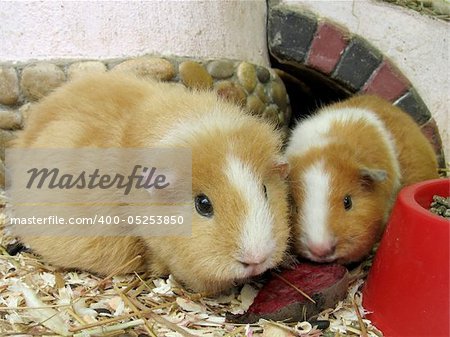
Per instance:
x=354, y=146
x=117, y=110
x=416, y=156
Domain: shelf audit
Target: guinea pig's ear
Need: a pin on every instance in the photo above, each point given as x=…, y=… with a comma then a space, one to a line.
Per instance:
x=370, y=176
x=281, y=166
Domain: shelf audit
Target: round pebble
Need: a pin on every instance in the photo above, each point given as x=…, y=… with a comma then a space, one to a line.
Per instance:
x=262, y=74
x=220, y=69
x=261, y=93
x=10, y=120
x=41, y=78
x=194, y=75
x=24, y=111
x=9, y=86
x=271, y=113
x=86, y=67
x=278, y=94
x=258, y=89
x=6, y=136
x=247, y=76
x=231, y=92
x=148, y=67
x=287, y=115
x=255, y=105
x=281, y=118
x=2, y=175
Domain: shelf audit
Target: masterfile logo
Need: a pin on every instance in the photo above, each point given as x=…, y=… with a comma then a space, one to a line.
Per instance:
x=53, y=179
x=144, y=192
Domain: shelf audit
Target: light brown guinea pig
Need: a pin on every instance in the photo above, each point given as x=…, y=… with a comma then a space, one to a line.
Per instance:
x=347, y=164
x=239, y=205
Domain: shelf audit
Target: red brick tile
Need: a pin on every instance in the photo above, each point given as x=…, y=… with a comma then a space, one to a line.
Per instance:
x=387, y=82
x=327, y=47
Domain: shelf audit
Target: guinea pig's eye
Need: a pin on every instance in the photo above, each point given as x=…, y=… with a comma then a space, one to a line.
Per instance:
x=204, y=206
x=265, y=191
x=347, y=202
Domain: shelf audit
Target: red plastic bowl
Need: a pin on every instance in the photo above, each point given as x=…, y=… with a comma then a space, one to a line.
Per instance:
x=407, y=289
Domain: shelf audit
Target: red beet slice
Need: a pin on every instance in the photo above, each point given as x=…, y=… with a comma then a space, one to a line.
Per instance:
x=326, y=284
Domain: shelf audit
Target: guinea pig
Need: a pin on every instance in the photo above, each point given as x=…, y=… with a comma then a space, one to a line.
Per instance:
x=239, y=203
x=347, y=164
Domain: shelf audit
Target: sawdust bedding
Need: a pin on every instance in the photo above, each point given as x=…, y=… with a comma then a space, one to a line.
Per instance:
x=38, y=300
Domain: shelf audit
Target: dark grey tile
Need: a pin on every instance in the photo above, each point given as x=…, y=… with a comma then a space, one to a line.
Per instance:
x=290, y=33
x=357, y=64
x=414, y=106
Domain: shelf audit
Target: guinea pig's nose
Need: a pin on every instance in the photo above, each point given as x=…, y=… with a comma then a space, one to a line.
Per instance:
x=252, y=260
x=253, y=264
x=322, y=250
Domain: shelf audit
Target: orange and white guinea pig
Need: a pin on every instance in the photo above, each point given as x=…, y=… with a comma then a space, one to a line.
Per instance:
x=240, y=224
x=347, y=164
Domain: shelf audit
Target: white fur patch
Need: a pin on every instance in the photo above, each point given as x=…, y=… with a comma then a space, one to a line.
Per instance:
x=190, y=128
x=313, y=132
x=349, y=115
x=308, y=134
x=256, y=240
x=314, y=211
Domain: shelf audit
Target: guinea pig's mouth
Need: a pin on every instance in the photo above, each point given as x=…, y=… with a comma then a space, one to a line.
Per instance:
x=323, y=259
x=242, y=272
x=248, y=264
x=254, y=270
x=319, y=259
x=325, y=252
x=247, y=271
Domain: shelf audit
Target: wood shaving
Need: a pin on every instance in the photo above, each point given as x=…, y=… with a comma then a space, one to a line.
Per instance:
x=37, y=299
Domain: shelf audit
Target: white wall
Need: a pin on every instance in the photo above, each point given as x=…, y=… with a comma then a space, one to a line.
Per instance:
x=418, y=45
x=108, y=29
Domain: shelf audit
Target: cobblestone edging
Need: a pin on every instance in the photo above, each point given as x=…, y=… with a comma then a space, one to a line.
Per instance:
x=300, y=39
x=258, y=89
